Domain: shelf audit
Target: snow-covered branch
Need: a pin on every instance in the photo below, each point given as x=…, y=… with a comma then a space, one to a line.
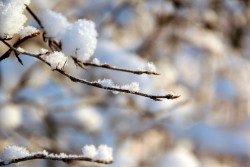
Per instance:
x=110, y=67
x=76, y=40
x=94, y=83
x=101, y=156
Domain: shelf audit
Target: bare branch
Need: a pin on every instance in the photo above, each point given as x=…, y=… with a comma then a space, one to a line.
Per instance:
x=34, y=16
x=60, y=157
x=110, y=67
x=95, y=84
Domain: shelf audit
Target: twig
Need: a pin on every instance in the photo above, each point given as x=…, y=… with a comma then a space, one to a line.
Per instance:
x=17, y=43
x=6, y=38
x=55, y=46
x=95, y=84
x=110, y=67
x=60, y=157
x=98, y=85
x=52, y=44
x=34, y=16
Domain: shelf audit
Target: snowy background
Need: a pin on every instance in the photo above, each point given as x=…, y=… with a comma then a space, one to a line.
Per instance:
x=201, y=49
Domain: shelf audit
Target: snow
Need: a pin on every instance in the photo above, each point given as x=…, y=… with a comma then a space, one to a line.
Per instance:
x=54, y=23
x=104, y=153
x=10, y=117
x=57, y=60
x=12, y=18
x=20, y=49
x=79, y=40
x=134, y=87
x=43, y=51
x=180, y=157
x=27, y=31
x=14, y=152
x=89, y=151
x=96, y=61
x=106, y=82
x=150, y=67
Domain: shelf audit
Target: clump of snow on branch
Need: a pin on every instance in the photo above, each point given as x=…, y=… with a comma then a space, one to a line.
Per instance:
x=27, y=31
x=14, y=152
x=20, y=49
x=79, y=40
x=43, y=51
x=12, y=18
x=57, y=60
x=103, y=153
x=150, y=67
x=54, y=23
x=106, y=82
x=96, y=61
x=134, y=87
x=89, y=151
x=10, y=117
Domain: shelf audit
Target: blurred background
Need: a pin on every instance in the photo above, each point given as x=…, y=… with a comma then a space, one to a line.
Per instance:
x=201, y=49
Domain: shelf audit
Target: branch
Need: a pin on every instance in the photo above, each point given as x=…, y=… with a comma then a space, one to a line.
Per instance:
x=55, y=46
x=98, y=85
x=7, y=38
x=110, y=67
x=52, y=44
x=34, y=16
x=94, y=84
x=56, y=157
x=17, y=43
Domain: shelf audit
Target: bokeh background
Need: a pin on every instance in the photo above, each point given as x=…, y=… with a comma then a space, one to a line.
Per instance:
x=201, y=49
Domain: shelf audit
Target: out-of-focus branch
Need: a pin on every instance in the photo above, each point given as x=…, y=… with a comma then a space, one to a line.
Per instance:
x=24, y=79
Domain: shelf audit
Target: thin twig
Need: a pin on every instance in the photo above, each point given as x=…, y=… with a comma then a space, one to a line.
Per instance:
x=110, y=67
x=34, y=16
x=17, y=43
x=96, y=84
x=62, y=157
x=55, y=46
x=6, y=38
x=52, y=44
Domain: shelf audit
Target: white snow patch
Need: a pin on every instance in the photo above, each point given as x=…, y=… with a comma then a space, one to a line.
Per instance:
x=14, y=152
x=57, y=60
x=27, y=31
x=89, y=151
x=54, y=23
x=79, y=40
